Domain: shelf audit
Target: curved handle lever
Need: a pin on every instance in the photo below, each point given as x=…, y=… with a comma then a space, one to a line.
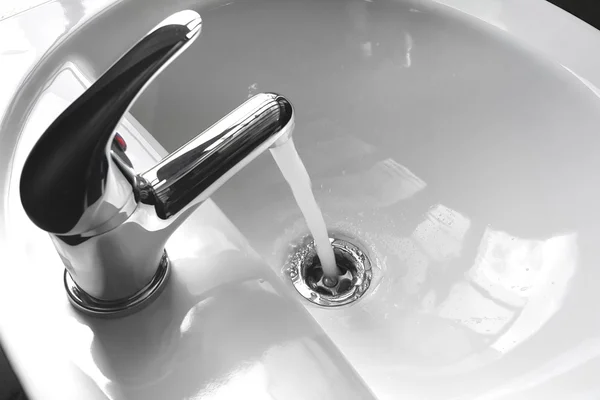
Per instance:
x=66, y=173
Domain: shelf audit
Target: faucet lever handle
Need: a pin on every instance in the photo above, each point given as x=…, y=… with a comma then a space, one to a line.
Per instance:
x=64, y=179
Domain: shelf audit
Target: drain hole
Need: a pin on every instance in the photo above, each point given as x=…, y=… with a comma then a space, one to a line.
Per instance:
x=341, y=284
x=309, y=280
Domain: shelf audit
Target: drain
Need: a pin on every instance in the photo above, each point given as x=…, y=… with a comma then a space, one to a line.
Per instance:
x=306, y=273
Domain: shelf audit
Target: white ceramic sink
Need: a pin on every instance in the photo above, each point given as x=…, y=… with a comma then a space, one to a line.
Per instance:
x=455, y=139
x=460, y=154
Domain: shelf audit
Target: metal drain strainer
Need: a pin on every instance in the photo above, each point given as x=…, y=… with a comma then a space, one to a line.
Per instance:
x=306, y=274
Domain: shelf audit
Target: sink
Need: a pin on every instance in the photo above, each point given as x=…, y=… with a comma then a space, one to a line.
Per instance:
x=460, y=156
x=455, y=140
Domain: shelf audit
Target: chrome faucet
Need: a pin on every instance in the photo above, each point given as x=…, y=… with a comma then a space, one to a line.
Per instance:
x=110, y=224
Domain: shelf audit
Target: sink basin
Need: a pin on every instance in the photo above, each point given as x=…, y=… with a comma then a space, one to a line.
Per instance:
x=459, y=154
x=455, y=140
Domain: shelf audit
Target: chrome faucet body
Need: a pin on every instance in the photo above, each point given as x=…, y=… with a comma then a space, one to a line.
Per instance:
x=109, y=223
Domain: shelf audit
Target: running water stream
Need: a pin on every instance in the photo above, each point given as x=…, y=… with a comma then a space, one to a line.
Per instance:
x=295, y=174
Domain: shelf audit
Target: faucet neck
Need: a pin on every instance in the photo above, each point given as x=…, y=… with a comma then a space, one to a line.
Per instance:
x=196, y=170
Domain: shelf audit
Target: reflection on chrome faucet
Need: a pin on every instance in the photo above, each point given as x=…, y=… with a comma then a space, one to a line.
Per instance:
x=110, y=224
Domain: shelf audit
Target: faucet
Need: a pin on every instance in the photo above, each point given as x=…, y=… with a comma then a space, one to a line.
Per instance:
x=110, y=224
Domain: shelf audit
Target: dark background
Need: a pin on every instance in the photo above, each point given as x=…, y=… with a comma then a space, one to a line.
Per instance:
x=587, y=10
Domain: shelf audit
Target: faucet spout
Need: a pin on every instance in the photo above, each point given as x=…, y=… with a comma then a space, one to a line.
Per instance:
x=192, y=173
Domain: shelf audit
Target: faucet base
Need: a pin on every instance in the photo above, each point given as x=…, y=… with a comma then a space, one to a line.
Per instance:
x=119, y=308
